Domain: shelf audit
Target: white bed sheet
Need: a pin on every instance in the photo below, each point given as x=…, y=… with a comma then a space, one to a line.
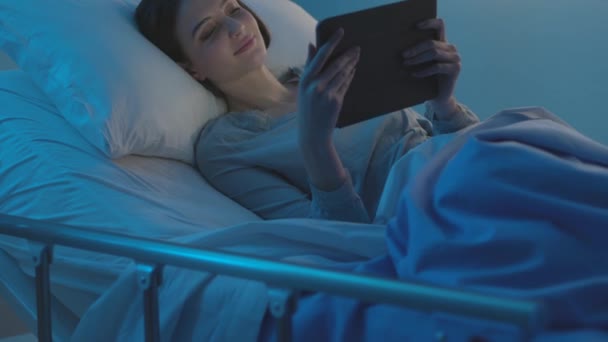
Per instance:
x=48, y=172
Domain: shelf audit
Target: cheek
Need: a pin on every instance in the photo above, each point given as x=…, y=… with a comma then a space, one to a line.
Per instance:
x=250, y=18
x=213, y=59
x=211, y=54
x=209, y=59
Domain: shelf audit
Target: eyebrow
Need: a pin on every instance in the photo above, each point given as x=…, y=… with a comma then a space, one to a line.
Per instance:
x=197, y=26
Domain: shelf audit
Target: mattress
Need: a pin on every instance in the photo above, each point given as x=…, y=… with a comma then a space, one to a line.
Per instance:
x=50, y=173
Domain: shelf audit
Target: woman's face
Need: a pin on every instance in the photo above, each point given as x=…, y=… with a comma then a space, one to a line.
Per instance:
x=211, y=32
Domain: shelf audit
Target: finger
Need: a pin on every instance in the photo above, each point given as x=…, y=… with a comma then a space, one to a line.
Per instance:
x=341, y=65
x=428, y=45
x=311, y=53
x=346, y=84
x=439, y=68
x=324, y=52
x=420, y=48
x=334, y=84
x=435, y=24
x=434, y=55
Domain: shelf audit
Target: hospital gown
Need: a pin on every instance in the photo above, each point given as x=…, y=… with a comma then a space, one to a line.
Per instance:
x=254, y=159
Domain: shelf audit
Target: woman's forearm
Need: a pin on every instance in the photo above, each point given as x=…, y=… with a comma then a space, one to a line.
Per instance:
x=323, y=165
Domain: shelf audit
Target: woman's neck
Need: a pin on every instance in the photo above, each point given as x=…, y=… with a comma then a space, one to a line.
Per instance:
x=260, y=90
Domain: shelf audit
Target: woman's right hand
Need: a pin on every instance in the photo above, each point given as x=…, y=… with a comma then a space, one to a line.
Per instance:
x=321, y=91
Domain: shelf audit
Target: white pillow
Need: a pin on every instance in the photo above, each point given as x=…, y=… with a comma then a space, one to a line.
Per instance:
x=121, y=92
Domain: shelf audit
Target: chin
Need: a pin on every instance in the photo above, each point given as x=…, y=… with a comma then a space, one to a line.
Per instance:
x=258, y=57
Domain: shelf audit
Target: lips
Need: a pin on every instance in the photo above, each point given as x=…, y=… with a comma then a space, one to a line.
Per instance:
x=246, y=42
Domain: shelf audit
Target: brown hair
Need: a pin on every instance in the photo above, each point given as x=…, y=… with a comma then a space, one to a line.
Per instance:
x=157, y=21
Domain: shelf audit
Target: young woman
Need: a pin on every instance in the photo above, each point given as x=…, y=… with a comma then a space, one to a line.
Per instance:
x=494, y=210
x=276, y=151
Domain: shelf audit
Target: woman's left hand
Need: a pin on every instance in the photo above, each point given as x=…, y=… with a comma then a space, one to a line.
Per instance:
x=447, y=62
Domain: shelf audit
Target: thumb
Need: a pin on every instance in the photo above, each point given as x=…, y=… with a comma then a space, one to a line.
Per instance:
x=312, y=51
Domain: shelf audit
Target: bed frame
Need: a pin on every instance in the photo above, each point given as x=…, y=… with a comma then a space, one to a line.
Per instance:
x=284, y=280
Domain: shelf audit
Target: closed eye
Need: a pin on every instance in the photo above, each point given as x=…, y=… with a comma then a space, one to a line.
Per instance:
x=213, y=29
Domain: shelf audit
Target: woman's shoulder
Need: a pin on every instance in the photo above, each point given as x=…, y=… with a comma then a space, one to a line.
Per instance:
x=218, y=137
x=240, y=125
x=232, y=128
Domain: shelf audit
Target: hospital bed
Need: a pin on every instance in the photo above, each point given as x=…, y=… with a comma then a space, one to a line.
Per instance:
x=148, y=213
x=138, y=220
x=85, y=238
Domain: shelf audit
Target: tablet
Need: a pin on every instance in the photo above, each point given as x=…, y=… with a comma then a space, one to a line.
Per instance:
x=382, y=84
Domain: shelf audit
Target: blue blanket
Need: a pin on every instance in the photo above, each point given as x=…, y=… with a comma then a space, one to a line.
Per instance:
x=516, y=206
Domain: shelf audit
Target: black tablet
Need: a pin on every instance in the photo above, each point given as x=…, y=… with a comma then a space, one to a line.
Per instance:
x=382, y=84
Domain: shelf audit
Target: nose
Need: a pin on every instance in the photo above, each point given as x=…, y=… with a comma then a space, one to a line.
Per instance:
x=235, y=27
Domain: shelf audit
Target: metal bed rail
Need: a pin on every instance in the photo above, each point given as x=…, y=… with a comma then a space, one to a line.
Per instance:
x=283, y=279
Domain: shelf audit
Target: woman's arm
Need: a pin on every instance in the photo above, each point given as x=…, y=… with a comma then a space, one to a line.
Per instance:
x=331, y=186
x=449, y=118
x=232, y=158
x=443, y=111
x=270, y=196
x=323, y=165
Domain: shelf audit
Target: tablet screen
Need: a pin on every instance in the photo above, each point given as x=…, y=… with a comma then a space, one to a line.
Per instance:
x=382, y=84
